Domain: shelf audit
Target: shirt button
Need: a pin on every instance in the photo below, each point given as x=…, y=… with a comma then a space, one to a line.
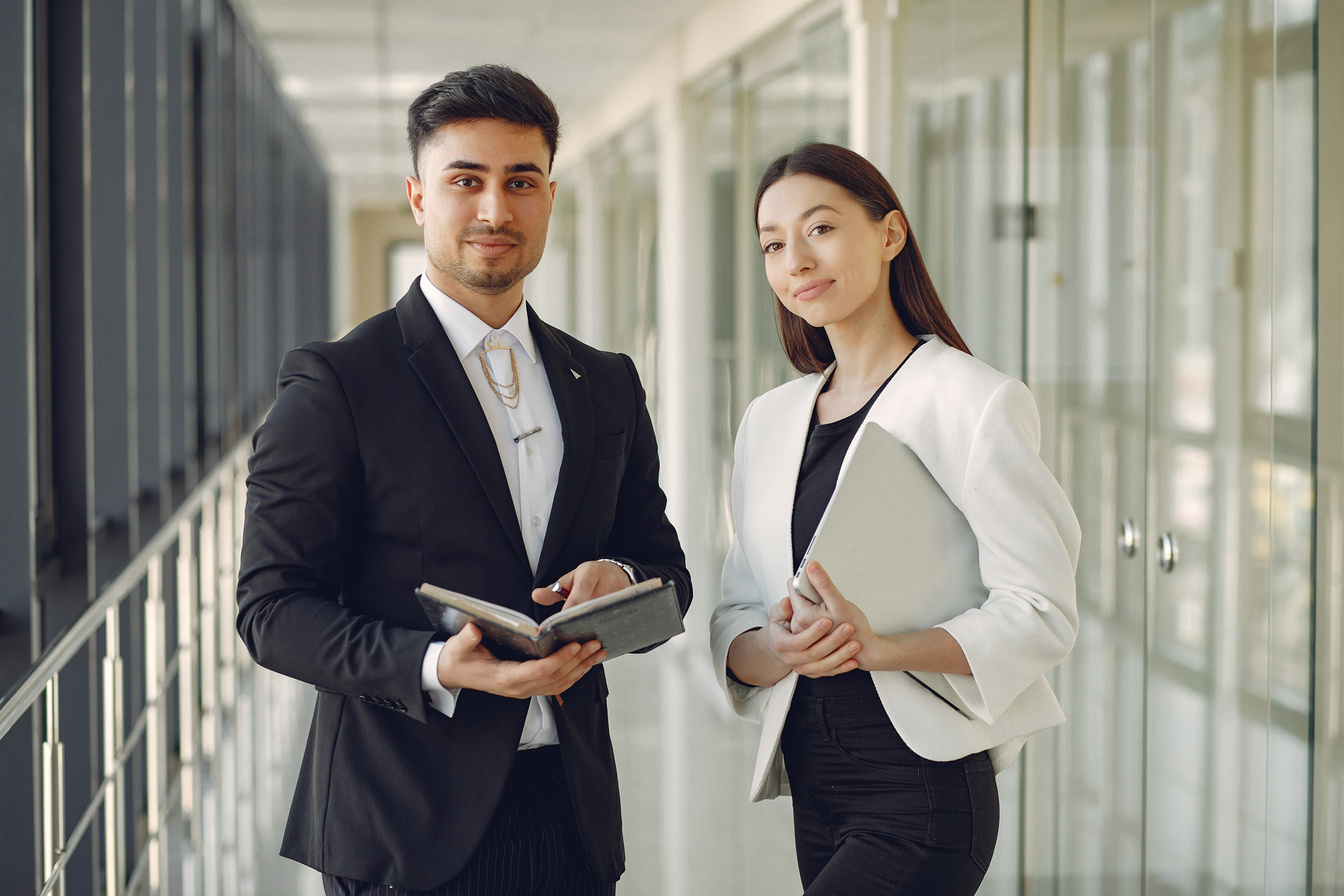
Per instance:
x=536, y=521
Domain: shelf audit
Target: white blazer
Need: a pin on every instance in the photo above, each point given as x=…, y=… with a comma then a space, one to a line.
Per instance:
x=978, y=433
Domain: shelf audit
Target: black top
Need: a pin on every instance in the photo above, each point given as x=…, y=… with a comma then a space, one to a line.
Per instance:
x=827, y=444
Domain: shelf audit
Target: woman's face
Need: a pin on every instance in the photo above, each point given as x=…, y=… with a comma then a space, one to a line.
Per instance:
x=825, y=259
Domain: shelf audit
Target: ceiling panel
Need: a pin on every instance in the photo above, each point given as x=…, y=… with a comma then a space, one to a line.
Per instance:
x=350, y=67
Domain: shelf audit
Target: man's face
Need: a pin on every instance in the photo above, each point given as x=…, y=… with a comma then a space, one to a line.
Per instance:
x=484, y=200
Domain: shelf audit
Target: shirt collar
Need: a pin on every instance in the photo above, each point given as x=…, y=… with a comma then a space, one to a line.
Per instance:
x=466, y=331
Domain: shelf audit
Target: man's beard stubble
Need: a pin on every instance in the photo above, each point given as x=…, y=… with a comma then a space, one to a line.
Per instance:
x=488, y=280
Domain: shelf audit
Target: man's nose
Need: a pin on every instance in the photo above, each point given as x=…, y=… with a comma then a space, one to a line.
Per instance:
x=493, y=207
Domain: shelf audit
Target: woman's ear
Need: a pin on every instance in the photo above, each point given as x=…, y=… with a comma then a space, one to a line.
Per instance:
x=893, y=226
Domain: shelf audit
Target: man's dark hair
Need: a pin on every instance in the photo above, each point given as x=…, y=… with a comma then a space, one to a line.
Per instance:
x=477, y=93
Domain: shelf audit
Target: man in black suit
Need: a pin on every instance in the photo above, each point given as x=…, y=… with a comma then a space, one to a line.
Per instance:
x=455, y=439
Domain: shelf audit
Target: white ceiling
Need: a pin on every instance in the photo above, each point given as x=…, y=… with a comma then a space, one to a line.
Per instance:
x=351, y=67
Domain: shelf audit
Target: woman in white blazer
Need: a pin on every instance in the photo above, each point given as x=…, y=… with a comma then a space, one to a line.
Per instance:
x=892, y=784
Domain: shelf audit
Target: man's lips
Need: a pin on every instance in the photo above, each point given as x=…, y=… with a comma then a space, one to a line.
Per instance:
x=491, y=248
x=811, y=289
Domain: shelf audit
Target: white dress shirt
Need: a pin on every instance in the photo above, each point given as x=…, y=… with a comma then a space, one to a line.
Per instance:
x=531, y=464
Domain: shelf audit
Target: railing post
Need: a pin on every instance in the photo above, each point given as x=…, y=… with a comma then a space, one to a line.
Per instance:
x=210, y=847
x=187, y=704
x=53, y=788
x=114, y=802
x=226, y=761
x=156, y=737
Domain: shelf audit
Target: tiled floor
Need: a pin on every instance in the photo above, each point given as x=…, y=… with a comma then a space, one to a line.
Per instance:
x=685, y=763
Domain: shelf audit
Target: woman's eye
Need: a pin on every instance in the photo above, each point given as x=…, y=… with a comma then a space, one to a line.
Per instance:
x=821, y=228
x=771, y=248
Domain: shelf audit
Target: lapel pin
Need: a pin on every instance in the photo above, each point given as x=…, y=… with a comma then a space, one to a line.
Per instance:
x=576, y=374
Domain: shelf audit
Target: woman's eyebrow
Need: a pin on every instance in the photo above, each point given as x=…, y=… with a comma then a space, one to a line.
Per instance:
x=803, y=217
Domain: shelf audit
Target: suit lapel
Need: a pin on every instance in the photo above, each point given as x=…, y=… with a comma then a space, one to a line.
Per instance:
x=574, y=404
x=778, y=483
x=434, y=359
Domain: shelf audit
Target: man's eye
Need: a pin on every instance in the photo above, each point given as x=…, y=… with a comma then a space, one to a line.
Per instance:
x=521, y=184
x=465, y=181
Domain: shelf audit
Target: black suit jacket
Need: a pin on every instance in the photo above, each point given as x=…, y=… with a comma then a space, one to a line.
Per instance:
x=374, y=471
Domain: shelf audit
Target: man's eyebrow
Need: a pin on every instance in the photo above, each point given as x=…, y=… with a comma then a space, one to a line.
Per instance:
x=803, y=217
x=515, y=168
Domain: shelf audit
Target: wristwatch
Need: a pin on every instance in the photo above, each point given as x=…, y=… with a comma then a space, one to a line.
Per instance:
x=629, y=570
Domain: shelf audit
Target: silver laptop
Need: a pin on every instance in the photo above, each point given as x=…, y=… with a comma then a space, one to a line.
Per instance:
x=893, y=543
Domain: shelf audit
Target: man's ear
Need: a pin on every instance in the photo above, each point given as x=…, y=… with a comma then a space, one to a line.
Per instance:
x=894, y=225
x=415, y=194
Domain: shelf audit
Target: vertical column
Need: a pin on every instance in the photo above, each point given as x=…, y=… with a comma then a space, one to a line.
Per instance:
x=871, y=102
x=1327, y=866
x=592, y=304
x=106, y=253
x=18, y=408
x=1038, y=772
x=684, y=362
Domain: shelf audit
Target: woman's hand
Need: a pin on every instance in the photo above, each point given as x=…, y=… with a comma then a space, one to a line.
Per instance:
x=817, y=649
x=833, y=606
x=762, y=656
x=929, y=650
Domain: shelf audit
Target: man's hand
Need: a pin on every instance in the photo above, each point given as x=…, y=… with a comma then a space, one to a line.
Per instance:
x=464, y=663
x=588, y=580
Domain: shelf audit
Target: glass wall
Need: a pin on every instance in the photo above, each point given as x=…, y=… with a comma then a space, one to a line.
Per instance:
x=959, y=81
x=1117, y=202
x=165, y=241
x=1180, y=278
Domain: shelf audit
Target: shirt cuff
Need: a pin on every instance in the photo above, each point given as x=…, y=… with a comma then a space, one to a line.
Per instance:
x=441, y=698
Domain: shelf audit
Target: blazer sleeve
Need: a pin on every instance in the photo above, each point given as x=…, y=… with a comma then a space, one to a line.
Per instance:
x=1029, y=540
x=641, y=534
x=741, y=608
x=304, y=498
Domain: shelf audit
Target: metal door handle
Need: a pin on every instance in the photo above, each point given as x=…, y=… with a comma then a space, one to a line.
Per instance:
x=1167, y=553
x=1129, y=537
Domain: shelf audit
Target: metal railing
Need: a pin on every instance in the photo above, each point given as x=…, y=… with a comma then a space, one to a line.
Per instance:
x=177, y=780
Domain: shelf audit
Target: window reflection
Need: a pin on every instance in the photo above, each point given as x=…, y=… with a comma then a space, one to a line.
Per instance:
x=628, y=216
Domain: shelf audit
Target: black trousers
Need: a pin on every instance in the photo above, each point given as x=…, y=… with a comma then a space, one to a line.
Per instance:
x=530, y=848
x=872, y=817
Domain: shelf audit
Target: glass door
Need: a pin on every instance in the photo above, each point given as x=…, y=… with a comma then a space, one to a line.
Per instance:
x=1171, y=326
x=1093, y=272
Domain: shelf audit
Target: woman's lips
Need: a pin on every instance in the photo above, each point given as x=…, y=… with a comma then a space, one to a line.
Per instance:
x=811, y=289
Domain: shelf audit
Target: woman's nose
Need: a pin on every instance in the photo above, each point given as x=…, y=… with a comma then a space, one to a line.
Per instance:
x=799, y=259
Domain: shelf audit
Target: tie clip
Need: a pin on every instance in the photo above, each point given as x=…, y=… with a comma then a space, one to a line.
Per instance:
x=522, y=435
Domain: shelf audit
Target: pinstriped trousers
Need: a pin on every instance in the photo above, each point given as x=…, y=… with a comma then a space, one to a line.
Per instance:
x=530, y=848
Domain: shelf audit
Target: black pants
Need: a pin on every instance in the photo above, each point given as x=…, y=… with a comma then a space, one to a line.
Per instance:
x=872, y=817
x=530, y=848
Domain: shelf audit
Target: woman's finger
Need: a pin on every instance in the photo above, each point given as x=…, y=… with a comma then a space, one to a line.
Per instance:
x=826, y=590
x=837, y=662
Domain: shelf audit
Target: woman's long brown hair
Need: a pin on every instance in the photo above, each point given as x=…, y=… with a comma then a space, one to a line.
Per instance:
x=912, y=291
